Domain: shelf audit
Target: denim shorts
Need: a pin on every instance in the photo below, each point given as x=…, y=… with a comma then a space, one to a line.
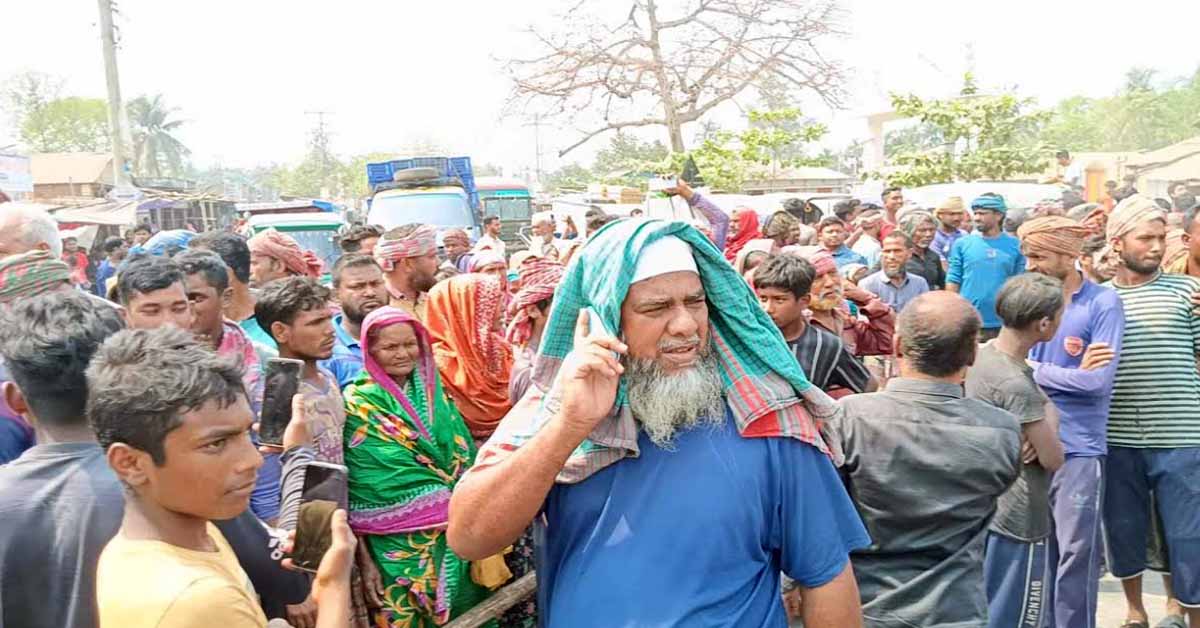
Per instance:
x=1173, y=477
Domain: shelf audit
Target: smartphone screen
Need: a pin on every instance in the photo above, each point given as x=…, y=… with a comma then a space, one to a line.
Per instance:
x=282, y=383
x=657, y=184
x=325, y=490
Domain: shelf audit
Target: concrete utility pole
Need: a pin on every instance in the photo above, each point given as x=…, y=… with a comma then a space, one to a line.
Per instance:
x=537, y=144
x=115, y=107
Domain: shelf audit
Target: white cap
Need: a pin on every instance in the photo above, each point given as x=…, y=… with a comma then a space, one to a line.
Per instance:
x=665, y=255
x=540, y=217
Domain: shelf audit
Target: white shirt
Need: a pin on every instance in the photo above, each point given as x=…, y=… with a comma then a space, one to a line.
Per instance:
x=487, y=241
x=868, y=247
x=1073, y=174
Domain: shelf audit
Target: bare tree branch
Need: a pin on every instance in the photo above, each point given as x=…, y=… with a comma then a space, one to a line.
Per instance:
x=615, y=126
x=675, y=68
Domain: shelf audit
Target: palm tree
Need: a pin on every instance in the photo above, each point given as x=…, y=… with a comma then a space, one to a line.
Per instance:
x=155, y=149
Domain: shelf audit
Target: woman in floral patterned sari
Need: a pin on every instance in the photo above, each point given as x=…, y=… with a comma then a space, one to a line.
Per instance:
x=406, y=447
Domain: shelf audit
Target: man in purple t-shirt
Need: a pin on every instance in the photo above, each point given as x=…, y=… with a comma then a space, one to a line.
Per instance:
x=1076, y=370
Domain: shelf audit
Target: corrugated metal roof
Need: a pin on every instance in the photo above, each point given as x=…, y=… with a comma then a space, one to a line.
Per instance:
x=1166, y=155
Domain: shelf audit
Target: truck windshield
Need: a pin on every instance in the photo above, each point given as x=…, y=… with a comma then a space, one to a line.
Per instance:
x=438, y=210
x=508, y=208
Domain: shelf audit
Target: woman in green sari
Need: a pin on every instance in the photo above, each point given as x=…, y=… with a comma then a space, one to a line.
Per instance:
x=406, y=447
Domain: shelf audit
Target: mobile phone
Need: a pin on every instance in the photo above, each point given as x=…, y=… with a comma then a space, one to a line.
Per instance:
x=326, y=489
x=282, y=383
x=658, y=184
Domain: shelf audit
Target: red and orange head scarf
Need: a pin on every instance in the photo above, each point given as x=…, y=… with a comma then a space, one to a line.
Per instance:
x=471, y=354
x=747, y=230
x=539, y=278
x=271, y=243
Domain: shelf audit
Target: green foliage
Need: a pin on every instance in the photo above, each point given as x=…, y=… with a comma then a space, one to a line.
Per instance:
x=568, y=177
x=69, y=124
x=774, y=140
x=1140, y=116
x=912, y=139
x=624, y=161
x=985, y=137
x=156, y=150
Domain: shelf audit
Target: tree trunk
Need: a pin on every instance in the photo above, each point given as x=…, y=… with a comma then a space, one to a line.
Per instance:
x=675, y=130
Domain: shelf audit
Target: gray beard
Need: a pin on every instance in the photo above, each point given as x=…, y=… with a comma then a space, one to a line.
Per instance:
x=666, y=404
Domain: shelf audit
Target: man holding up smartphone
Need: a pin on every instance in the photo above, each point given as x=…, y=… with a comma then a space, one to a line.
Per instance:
x=179, y=440
x=295, y=311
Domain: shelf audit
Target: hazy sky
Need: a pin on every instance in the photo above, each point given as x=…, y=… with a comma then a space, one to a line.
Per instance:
x=245, y=72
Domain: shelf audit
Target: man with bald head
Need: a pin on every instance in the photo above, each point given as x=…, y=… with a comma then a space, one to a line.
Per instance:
x=925, y=467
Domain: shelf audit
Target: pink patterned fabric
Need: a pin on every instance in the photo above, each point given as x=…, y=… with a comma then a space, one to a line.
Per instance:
x=421, y=242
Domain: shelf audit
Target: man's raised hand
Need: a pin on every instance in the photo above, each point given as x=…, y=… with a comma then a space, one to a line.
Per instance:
x=589, y=376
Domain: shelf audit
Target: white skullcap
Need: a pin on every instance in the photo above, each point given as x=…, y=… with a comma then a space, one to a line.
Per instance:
x=540, y=217
x=664, y=255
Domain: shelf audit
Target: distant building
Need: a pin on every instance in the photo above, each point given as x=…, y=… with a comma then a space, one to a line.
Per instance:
x=801, y=180
x=71, y=175
x=1157, y=169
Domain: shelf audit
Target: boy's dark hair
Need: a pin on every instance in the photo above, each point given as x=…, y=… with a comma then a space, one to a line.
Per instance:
x=143, y=227
x=489, y=220
x=828, y=222
x=47, y=342
x=232, y=249
x=351, y=241
x=284, y=299
x=352, y=260
x=145, y=275
x=142, y=382
x=1027, y=299
x=888, y=191
x=1062, y=154
x=111, y=244
x=786, y=272
x=206, y=263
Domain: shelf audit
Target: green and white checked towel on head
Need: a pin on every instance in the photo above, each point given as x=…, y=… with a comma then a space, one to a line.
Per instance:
x=765, y=388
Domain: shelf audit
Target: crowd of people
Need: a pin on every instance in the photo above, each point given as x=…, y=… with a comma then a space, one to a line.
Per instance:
x=887, y=416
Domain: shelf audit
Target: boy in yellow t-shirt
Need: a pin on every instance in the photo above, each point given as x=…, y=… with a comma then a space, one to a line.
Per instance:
x=174, y=421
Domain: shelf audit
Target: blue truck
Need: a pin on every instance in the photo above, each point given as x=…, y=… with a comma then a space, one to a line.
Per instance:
x=437, y=191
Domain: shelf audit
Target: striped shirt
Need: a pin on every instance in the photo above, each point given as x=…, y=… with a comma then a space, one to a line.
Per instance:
x=1156, y=394
x=826, y=361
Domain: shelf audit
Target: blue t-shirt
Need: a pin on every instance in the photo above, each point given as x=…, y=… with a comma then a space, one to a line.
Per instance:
x=346, y=362
x=845, y=255
x=696, y=536
x=257, y=333
x=980, y=266
x=103, y=272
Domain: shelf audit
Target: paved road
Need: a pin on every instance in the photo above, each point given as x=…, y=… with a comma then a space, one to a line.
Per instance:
x=1111, y=610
